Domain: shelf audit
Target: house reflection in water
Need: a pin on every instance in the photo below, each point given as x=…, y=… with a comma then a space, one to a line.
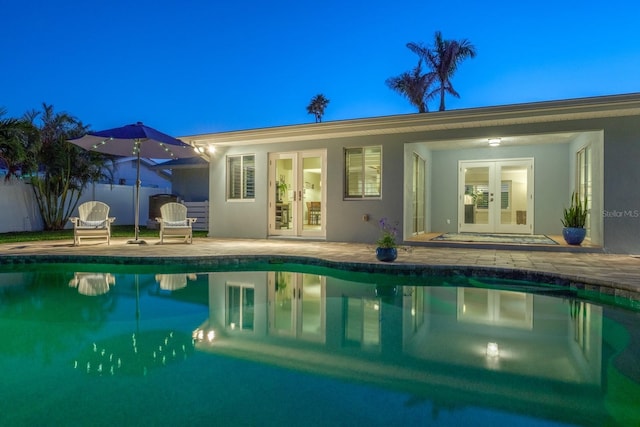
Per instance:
x=466, y=344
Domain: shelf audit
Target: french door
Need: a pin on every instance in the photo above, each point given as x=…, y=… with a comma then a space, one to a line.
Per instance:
x=496, y=196
x=297, y=193
x=297, y=305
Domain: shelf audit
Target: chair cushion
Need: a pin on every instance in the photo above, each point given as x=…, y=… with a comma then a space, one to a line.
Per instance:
x=94, y=224
x=182, y=223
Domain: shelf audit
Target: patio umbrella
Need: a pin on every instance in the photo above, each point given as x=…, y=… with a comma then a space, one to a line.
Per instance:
x=135, y=140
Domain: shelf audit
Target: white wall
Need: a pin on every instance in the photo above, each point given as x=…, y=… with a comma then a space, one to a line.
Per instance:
x=19, y=211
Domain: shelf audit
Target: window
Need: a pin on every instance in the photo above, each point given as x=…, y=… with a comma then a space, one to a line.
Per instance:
x=241, y=177
x=240, y=306
x=363, y=172
x=584, y=181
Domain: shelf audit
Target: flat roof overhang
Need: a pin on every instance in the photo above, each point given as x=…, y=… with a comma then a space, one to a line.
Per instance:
x=529, y=113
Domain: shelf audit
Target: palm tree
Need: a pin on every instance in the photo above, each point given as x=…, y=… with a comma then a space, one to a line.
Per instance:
x=414, y=86
x=443, y=59
x=64, y=169
x=14, y=146
x=317, y=105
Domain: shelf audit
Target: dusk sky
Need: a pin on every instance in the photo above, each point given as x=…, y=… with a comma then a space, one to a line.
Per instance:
x=195, y=67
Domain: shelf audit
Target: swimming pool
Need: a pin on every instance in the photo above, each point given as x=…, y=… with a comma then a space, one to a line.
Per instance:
x=303, y=345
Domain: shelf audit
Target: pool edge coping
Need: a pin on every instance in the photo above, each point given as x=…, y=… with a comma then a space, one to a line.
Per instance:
x=619, y=292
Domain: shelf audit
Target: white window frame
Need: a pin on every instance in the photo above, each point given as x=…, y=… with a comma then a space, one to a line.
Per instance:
x=244, y=181
x=362, y=172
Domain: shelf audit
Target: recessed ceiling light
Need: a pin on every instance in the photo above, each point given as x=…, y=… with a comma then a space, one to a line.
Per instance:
x=494, y=142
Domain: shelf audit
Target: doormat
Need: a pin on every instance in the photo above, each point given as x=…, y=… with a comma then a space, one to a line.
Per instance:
x=524, y=239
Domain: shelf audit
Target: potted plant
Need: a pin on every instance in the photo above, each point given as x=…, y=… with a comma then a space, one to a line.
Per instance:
x=574, y=220
x=281, y=188
x=387, y=250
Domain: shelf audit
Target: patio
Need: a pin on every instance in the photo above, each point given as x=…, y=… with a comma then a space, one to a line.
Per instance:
x=612, y=274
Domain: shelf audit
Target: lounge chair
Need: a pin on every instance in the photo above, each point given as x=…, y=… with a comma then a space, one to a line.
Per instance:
x=93, y=222
x=174, y=222
x=92, y=284
x=174, y=282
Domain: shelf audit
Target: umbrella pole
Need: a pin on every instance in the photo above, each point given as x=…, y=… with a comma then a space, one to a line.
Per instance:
x=137, y=207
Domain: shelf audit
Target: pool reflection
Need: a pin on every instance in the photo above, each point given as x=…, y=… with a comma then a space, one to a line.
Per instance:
x=434, y=341
x=453, y=343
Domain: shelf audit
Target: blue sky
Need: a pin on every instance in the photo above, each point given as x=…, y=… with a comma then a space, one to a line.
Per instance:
x=207, y=66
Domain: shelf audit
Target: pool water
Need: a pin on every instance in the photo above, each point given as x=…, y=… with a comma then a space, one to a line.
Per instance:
x=113, y=345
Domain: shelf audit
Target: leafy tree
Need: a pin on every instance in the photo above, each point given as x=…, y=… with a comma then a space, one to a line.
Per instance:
x=14, y=146
x=317, y=105
x=64, y=169
x=443, y=60
x=414, y=86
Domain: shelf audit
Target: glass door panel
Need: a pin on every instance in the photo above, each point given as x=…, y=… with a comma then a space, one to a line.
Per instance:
x=311, y=183
x=476, y=197
x=514, y=198
x=312, y=307
x=281, y=199
x=282, y=303
x=418, y=195
x=362, y=326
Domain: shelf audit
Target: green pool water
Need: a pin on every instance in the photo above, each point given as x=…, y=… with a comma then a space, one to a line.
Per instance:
x=297, y=345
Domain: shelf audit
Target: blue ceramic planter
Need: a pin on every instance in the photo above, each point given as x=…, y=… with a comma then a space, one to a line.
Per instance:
x=386, y=254
x=573, y=235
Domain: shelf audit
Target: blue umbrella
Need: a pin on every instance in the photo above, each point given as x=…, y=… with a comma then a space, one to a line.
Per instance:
x=135, y=140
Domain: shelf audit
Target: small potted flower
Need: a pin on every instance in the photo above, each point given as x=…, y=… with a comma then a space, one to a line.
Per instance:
x=387, y=247
x=574, y=220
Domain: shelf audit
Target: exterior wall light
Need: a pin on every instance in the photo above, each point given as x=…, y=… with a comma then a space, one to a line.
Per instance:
x=494, y=142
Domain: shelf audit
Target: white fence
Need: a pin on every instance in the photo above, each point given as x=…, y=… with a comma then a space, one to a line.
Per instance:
x=19, y=210
x=199, y=210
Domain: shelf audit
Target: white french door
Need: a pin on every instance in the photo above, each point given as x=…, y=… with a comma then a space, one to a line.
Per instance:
x=496, y=196
x=297, y=305
x=297, y=193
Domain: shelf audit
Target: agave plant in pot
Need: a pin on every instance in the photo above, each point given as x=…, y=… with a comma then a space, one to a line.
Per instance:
x=574, y=220
x=387, y=249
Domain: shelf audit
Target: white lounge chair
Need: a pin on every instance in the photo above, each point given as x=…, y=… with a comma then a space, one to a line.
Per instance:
x=174, y=282
x=92, y=284
x=174, y=222
x=93, y=222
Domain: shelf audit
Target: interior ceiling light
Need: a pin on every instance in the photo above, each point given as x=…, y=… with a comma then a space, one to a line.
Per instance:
x=492, y=350
x=494, y=142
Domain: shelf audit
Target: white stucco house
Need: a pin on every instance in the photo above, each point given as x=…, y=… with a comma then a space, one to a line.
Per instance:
x=504, y=169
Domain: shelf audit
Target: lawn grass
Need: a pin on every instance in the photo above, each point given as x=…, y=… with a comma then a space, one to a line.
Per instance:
x=116, y=231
